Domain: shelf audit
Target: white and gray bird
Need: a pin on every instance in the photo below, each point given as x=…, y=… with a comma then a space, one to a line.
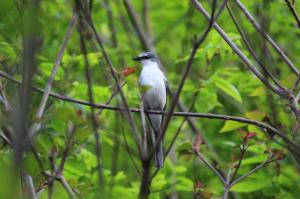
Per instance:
x=154, y=95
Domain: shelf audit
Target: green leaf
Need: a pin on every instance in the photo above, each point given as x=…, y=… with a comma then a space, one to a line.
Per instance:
x=120, y=177
x=249, y=185
x=185, y=151
x=184, y=184
x=228, y=88
x=159, y=182
x=255, y=159
x=231, y=125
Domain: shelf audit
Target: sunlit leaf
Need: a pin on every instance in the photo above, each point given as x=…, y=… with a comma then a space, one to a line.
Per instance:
x=228, y=88
x=231, y=125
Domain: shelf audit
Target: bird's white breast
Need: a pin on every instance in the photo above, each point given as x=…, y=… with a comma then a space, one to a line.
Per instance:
x=154, y=80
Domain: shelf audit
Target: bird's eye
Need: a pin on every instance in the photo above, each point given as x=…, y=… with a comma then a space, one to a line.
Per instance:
x=147, y=57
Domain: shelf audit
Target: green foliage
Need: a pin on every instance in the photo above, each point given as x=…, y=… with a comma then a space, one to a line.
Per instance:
x=224, y=84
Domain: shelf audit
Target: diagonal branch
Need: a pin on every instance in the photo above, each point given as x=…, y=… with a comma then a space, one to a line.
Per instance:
x=294, y=12
x=135, y=133
x=267, y=37
x=275, y=89
x=36, y=126
x=248, y=46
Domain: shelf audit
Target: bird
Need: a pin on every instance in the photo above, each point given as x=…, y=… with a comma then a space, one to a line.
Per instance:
x=153, y=84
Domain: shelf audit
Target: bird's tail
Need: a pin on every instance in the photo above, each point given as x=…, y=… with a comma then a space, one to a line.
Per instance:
x=156, y=121
x=159, y=156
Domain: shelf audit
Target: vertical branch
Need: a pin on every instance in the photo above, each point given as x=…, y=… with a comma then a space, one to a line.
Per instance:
x=145, y=182
x=145, y=16
x=135, y=133
x=144, y=126
x=111, y=23
x=31, y=42
x=145, y=42
x=116, y=146
x=81, y=28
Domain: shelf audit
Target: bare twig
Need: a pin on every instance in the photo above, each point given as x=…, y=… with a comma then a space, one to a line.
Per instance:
x=248, y=46
x=201, y=157
x=267, y=37
x=145, y=42
x=137, y=110
x=243, y=150
x=59, y=170
x=36, y=125
x=275, y=89
x=184, y=76
x=130, y=154
x=250, y=172
x=227, y=185
x=67, y=187
x=91, y=100
x=28, y=182
x=126, y=111
x=145, y=16
x=293, y=11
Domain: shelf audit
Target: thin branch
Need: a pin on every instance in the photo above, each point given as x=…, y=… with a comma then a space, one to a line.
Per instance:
x=130, y=154
x=88, y=76
x=201, y=157
x=248, y=46
x=250, y=172
x=177, y=133
x=267, y=37
x=36, y=126
x=126, y=110
x=137, y=110
x=59, y=170
x=184, y=76
x=294, y=146
x=67, y=187
x=227, y=185
x=28, y=183
x=111, y=23
x=145, y=42
x=243, y=57
x=294, y=12
x=145, y=16
x=243, y=150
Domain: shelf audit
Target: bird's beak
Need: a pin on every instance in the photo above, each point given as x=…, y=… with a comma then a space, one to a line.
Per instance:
x=137, y=58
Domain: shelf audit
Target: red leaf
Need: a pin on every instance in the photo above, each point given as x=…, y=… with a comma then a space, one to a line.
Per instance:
x=197, y=142
x=198, y=185
x=79, y=113
x=127, y=71
x=249, y=135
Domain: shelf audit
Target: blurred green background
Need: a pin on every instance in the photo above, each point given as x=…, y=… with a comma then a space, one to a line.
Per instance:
x=225, y=86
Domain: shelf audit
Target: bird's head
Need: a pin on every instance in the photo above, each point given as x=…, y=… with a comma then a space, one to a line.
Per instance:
x=147, y=57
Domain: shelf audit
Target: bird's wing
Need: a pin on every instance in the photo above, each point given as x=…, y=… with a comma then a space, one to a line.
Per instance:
x=164, y=109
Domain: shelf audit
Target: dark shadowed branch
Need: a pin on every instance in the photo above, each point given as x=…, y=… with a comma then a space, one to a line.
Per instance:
x=88, y=76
